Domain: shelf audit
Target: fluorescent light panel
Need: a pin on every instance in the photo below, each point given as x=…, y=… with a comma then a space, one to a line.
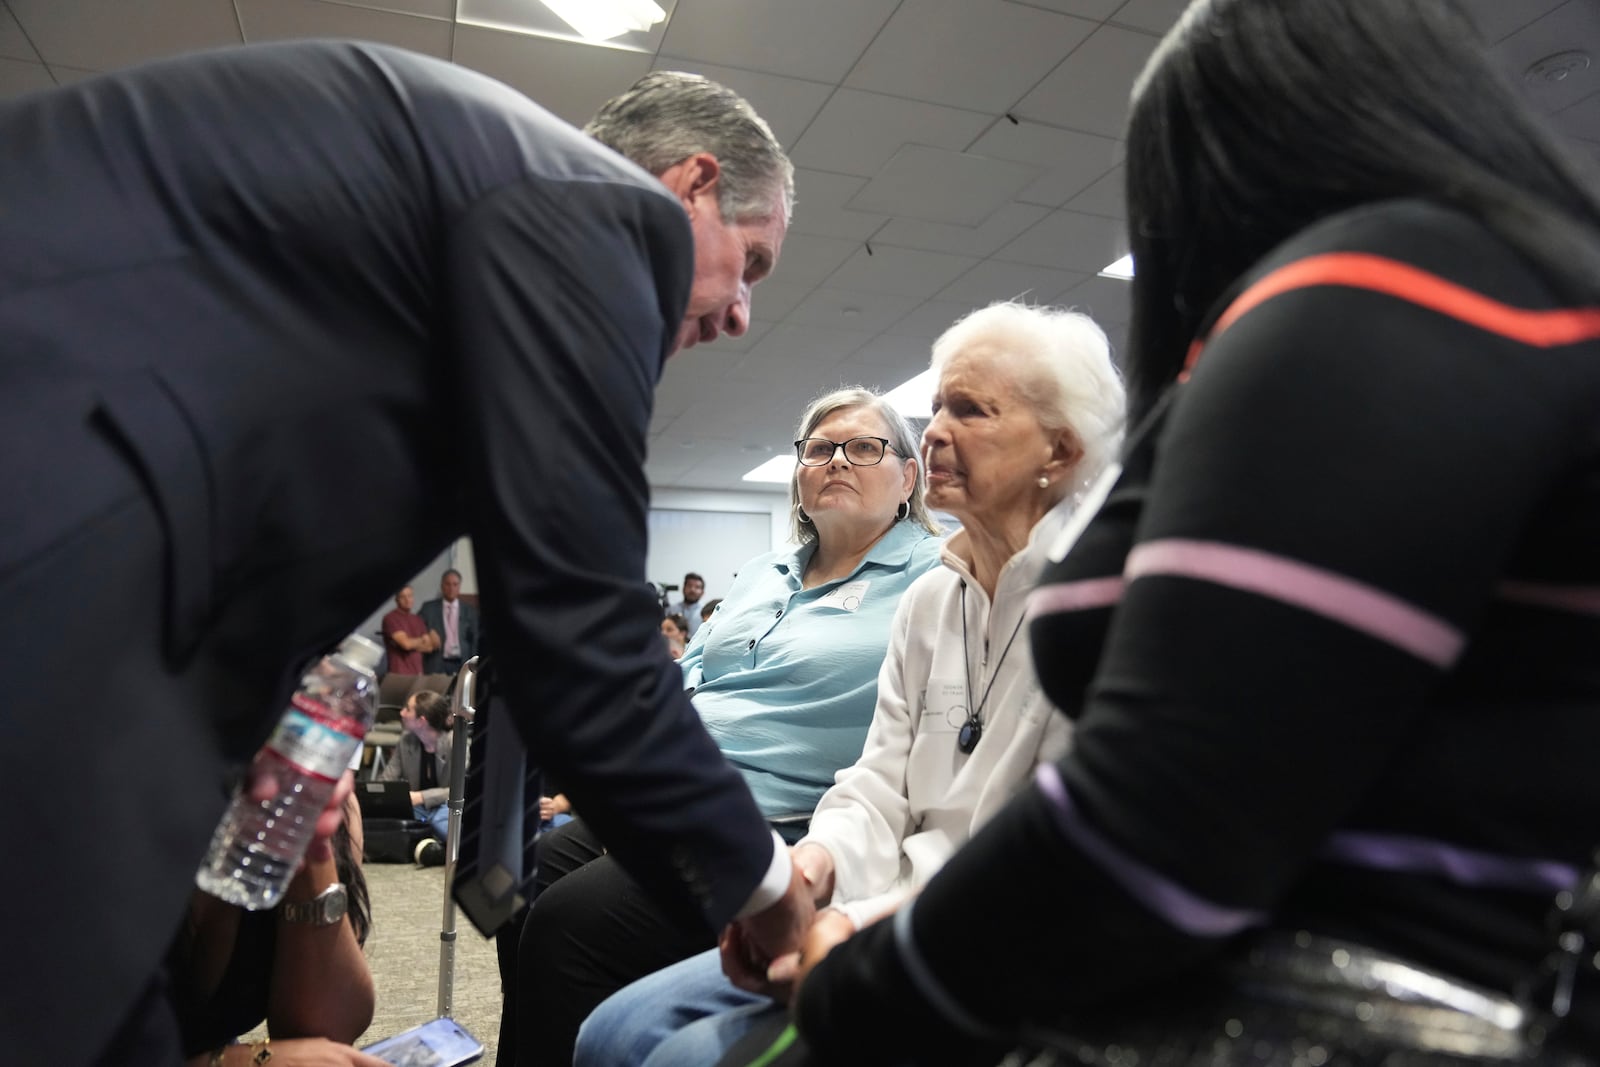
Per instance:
x=1122, y=268
x=777, y=469
x=601, y=20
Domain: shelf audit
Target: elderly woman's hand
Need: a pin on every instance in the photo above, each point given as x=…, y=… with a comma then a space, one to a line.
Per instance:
x=815, y=864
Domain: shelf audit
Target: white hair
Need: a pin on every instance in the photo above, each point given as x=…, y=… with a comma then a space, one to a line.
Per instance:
x=1064, y=374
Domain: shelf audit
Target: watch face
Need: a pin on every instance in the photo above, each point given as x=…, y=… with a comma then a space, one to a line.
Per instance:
x=334, y=904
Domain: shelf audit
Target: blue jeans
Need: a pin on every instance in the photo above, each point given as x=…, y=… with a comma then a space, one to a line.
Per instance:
x=437, y=818
x=686, y=1015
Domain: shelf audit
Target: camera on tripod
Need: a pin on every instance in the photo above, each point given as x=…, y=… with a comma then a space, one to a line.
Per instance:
x=664, y=595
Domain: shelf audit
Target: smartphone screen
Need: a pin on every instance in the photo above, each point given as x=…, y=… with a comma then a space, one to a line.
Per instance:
x=441, y=1043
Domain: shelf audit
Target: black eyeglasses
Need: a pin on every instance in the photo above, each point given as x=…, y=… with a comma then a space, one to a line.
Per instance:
x=862, y=451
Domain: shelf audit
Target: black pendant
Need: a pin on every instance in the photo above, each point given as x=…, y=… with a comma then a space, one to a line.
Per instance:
x=967, y=739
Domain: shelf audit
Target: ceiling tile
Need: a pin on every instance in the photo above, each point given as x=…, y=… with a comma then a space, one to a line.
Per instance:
x=910, y=353
x=13, y=42
x=938, y=185
x=18, y=77
x=438, y=9
x=788, y=104
x=1498, y=19
x=944, y=51
x=819, y=40
x=1557, y=32
x=857, y=132
x=878, y=374
x=1152, y=16
x=773, y=299
x=1106, y=300
x=68, y=75
x=982, y=240
x=731, y=347
x=848, y=309
x=901, y=271
x=930, y=320
x=994, y=280
x=1104, y=197
x=820, y=209
x=1581, y=119
x=572, y=80
x=1072, y=161
x=126, y=32
x=810, y=345
x=1090, y=90
x=1089, y=9
x=807, y=260
x=1067, y=240
x=272, y=20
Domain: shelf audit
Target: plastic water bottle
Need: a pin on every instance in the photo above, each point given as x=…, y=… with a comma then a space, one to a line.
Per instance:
x=257, y=846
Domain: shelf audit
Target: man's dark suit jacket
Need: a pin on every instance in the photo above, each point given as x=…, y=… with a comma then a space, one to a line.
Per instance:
x=466, y=630
x=234, y=288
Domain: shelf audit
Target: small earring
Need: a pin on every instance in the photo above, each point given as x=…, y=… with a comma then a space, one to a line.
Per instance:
x=1044, y=482
x=800, y=513
x=902, y=511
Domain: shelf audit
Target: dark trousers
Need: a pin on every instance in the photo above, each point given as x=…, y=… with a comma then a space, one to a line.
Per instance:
x=590, y=931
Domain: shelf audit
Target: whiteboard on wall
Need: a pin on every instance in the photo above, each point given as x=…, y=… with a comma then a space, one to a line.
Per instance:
x=715, y=544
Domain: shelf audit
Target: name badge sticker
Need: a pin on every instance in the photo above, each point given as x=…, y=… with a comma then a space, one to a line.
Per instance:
x=946, y=707
x=847, y=597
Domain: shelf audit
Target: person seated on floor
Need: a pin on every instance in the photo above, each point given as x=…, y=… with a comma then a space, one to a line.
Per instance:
x=422, y=760
x=1027, y=411
x=785, y=677
x=298, y=967
x=1330, y=641
x=675, y=628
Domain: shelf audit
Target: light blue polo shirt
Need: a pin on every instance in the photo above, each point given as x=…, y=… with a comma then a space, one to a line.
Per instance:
x=786, y=678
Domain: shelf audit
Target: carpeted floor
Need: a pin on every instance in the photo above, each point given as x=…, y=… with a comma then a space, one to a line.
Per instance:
x=403, y=951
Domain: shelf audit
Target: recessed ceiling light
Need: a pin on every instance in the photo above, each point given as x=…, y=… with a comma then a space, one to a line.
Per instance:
x=777, y=469
x=1557, y=68
x=601, y=20
x=1122, y=268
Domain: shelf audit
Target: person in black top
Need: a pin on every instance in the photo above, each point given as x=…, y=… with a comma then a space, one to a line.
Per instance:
x=1329, y=642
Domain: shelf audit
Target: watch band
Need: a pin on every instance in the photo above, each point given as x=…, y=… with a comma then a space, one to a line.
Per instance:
x=316, y=911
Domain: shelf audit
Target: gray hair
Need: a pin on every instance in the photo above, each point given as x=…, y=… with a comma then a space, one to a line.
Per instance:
x=902, y=438
x=668, y=116
x=1064, y=374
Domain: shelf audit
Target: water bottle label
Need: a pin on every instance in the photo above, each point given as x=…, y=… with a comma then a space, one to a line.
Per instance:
x=319, y=711
x=315, y=747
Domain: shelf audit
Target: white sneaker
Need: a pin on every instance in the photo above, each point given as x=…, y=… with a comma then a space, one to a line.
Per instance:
x=429, y=853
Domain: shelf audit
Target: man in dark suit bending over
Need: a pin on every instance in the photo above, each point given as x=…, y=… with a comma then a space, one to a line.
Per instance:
x=233, y=289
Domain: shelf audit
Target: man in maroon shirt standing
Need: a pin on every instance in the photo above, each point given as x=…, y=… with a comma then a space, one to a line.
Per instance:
x=405, y=636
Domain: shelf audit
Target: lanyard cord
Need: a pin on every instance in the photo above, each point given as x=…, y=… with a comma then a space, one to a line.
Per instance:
x=967, y=740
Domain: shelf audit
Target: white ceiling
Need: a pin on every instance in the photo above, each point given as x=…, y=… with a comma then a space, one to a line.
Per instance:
x=949, y=153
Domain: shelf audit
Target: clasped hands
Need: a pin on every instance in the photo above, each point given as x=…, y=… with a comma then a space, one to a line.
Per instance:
x=773, y=951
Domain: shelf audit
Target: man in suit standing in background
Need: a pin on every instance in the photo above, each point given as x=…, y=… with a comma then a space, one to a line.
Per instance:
x=232, y=288
x=453, y=625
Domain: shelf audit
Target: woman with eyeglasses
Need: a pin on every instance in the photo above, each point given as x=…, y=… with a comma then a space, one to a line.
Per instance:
x=785, y=677
x=1027, y=411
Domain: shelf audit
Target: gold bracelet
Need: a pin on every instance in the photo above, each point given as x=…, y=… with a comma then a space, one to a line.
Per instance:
x=263, y=1052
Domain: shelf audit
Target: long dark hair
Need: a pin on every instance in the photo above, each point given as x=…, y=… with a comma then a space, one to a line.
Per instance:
x=1256, y=118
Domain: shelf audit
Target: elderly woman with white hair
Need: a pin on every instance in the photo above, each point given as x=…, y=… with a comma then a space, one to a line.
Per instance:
x=1027, y=411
